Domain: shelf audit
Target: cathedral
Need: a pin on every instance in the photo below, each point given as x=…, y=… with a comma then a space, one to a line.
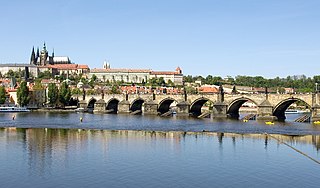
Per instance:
x=43, y=58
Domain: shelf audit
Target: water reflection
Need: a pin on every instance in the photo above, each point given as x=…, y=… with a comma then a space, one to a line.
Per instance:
x=42, y=145
x=120, y=158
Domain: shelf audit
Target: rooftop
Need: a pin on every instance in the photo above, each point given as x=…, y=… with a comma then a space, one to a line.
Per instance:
x=16, y=65
x=121, y=70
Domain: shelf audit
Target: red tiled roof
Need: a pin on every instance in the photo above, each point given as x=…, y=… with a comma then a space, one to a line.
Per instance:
x=121, y=70
x=208, y=90
x=5, y=81
x=83, y=66
x=46, y=66
x=70, y=66
x=164, y=73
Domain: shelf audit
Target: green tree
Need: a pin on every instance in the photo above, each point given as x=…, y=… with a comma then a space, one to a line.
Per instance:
x=46, y=75
x=76, y=91
x=188, y=78
x=64, y=93
x=2, y=94
x=170, y=83
x=115, y=90
x=23, y=94
x=91, y=92
x=10, y=74
x=190, y=90
x=93, y=79
x=52, y=94
x=38, y=85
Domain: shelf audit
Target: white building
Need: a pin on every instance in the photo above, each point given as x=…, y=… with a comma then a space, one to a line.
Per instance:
x=135, y=75
x=175, y=76
x=32, y=69
x=125, y=75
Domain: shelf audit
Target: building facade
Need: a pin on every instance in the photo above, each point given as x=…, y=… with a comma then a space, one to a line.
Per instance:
x=17, y=67
x=135, y=75
x=174, y=76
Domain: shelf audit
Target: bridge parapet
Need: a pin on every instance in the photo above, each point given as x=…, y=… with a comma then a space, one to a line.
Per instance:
x=223, y=104
x=255, y=98
x=276, y=99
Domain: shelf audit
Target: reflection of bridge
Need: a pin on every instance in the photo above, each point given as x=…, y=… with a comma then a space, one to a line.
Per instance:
x=269, y=106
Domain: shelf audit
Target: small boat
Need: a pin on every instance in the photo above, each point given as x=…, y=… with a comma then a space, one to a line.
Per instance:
x=269, y=123
x=245, y=120
x=13, y=109
x=80, y=110
x=316, y=122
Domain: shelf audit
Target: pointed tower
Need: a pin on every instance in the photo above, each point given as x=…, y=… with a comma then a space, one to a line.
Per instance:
x=33, y=57
x=43, y=55
x=51, y=62
x=38, y=53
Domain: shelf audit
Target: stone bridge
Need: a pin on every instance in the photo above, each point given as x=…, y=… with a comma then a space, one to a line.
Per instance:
x=269, y=106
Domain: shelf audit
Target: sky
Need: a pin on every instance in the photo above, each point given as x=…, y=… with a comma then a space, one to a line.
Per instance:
x=204, y=37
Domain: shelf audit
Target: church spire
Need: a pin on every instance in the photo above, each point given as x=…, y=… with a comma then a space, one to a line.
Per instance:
x=53, y=52
x=44, y=46
x=33, y=57
x=38, y=53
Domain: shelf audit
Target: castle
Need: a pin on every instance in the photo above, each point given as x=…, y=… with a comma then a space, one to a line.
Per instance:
x=42, y=58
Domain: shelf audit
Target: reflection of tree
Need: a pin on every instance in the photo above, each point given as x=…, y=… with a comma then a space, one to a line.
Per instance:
x=47, y=148
x=316, y=142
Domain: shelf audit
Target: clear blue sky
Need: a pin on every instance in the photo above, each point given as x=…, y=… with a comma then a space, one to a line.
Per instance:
x=219, y=37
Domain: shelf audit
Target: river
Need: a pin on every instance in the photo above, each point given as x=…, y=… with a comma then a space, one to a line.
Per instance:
x=57, y=150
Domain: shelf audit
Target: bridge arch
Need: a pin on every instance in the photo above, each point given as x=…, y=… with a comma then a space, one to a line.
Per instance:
x=235, y=105
x=164, y=105
x=112, y=105
x=196, y=105
x=91, y=103
x=282, y=106
x=136, y=105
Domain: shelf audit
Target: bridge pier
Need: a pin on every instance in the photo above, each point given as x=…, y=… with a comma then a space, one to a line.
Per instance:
x=219, y=110
x=183, y=109
x=265, y=111
x=100, y=106
x=315, y=113
x=124, y=107
x=83, y=104
x=150, y=108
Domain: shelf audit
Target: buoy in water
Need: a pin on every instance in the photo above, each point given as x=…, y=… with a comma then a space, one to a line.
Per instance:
x=316, y=122
x=269, y=123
